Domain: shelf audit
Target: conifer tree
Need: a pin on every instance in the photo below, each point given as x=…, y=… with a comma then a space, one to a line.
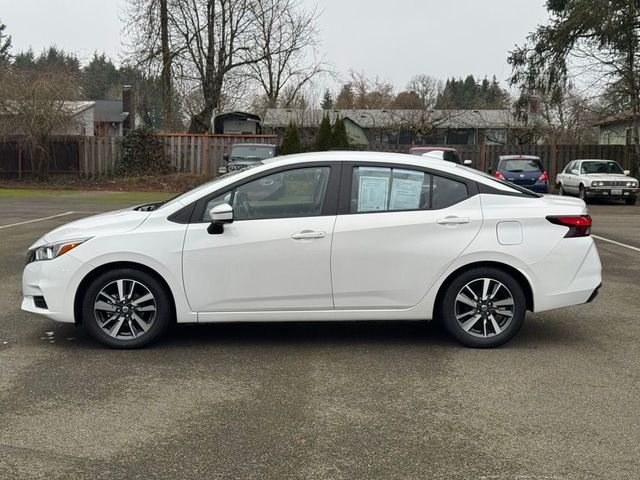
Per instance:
x=291, y=143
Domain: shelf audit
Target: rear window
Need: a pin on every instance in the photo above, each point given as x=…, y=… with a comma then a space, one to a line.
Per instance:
x=252, y=152
x=521, y=165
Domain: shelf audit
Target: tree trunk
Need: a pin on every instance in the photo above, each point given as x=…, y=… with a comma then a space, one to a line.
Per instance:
x=167, y=92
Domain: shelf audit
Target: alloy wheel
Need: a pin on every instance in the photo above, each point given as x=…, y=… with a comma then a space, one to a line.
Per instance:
x=484, y=307
x=125, y=309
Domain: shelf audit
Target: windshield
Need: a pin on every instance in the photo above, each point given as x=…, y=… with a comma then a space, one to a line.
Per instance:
x=206, y=185
x=521, y=165
x=601, y=166
x=252, y=151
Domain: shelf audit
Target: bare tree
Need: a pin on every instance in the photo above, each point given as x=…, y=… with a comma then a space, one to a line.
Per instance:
x=34, y=107
x=427, y=88
x=287, y=40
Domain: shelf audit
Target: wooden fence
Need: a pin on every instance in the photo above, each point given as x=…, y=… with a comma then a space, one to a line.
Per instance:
x=203, y=154
x=553, y=157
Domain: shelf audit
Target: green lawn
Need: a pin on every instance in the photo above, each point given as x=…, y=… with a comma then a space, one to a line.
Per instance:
x=120, y=197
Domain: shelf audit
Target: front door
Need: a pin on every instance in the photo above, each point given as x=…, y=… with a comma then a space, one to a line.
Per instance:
x=403, y=229
x=276, y=253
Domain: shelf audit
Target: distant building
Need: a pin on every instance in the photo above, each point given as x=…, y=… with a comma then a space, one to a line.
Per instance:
x=404, y=127
x=616, y=130
x=237, y=123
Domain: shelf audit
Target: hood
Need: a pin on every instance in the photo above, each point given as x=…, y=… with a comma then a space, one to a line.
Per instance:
x=119, y=221
x=245, y=161
x=609, y=177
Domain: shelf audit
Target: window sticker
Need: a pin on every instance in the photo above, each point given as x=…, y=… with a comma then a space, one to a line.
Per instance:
x=373, y=192
x=405, y=192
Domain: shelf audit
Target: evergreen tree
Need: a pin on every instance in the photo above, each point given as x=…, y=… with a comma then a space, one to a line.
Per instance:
x=5, y=45
x=324, y=137
x=100, y=76
x=291, y=142
x=327, y=100
x=340, y=137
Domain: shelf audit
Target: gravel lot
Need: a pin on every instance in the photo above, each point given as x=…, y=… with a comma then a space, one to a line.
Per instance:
x=320, y=400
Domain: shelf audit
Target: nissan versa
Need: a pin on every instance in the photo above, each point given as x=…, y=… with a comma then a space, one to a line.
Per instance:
x=322, y=236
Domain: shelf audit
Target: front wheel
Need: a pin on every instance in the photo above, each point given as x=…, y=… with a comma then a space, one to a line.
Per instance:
x=560, y=189
x=483, y=307
x=126, y=308
x=630, y=201
x=582, y=193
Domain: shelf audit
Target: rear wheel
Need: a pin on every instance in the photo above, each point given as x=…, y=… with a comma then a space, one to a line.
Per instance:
x=630, y=200
x=126, y=308
x=483, y=307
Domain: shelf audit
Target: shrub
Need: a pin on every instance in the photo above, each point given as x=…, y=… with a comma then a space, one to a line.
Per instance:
x=340, y=137
x=143, y=154
x=291, y=142
x=324, y=137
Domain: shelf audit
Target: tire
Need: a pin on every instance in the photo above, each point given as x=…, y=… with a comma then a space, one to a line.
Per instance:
x=630, y=200
x=494, y=324
x=582, y=194
x=560, y=189
x=126, y=308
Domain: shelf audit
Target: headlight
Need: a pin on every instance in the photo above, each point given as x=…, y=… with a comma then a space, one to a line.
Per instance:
x=632, y=184
x=53, y=250
x=597, y=184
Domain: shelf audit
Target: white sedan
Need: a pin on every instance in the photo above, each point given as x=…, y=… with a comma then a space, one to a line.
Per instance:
x=597, y=179
x=322, y=236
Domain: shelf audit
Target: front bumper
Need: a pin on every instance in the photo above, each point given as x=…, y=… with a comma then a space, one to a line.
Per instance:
x=56, y=281
x=611, y=192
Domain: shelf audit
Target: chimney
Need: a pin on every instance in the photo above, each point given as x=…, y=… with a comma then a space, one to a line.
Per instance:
x=128, y=106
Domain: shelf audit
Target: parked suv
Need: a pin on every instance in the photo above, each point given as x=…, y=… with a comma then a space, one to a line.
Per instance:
x=247, y=154
x=524, y=170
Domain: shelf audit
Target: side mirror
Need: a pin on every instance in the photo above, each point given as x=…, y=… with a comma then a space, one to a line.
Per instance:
x=467, y=162
x=220, y=215
x=575, y=172
x=627, y=172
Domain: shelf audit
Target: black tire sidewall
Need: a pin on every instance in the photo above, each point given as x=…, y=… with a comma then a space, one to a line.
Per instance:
x=447, y=307
x=163, y=308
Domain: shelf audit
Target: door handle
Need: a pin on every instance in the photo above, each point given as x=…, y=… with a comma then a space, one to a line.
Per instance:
x=453, y=220
x=307, y=235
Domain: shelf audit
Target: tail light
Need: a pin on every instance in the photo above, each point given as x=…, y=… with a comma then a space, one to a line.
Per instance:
x=500, y=175
x=544, y=177
x=579, y=225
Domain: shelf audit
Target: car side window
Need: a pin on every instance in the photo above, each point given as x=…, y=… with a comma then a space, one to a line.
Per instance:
x=448, y=192
x=292, y=193
x=381, y=189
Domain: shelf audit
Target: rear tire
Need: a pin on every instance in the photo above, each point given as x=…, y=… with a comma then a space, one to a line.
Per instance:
x=630, y=200
x=483, y=307
x=126, y=308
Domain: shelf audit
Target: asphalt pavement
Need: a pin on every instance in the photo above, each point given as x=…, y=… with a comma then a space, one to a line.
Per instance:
x=370, y=400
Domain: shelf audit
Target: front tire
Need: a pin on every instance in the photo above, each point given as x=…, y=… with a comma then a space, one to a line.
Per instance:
x=126, y=308
x=483, y=307
x=630, y=200
x=560, y=189
x=582, y=193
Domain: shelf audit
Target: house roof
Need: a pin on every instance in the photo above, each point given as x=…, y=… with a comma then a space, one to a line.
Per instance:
x=109, y=111
x=487, y=119
x=613, y=119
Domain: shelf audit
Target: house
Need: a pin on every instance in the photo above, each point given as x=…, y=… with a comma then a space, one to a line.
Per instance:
x=403, y=127
x=616, y=130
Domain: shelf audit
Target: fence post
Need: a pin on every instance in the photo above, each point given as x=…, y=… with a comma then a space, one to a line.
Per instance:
x=205, y=155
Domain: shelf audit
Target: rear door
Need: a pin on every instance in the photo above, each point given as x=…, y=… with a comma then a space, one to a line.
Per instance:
x=397, y=231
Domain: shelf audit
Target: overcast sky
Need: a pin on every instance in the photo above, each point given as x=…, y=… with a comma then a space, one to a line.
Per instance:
x=394, y=39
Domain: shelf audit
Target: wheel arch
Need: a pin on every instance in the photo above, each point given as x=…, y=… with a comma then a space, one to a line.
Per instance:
x=93, y=274
x=517, y=275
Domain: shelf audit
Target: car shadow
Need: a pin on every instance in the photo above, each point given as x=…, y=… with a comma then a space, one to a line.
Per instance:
x=534, y=334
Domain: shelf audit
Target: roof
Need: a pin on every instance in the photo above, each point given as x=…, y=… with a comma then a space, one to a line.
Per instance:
x=623, y=117
x=518, y=157
x=109, y=111
x=487, y=119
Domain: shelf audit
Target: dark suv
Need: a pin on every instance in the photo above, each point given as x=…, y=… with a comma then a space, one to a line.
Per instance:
x=524, y=170
x=244, y=155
